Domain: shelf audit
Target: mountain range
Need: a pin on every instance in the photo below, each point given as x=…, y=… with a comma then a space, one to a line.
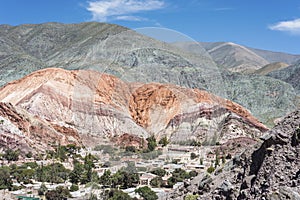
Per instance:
x=133, y=57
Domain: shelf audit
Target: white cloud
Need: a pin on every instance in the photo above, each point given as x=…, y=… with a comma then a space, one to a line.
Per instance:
x=292, y=26
x=104, y=10
x=130, y=18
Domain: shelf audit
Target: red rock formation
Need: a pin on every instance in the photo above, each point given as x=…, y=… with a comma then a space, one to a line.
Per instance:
x=83, y=104
x=149, y=96
x=130, y=140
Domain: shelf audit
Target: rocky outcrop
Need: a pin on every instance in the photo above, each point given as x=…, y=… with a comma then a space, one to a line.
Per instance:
x=130, y=140
x=21, y=130
x=98, y=106
x=269, y=171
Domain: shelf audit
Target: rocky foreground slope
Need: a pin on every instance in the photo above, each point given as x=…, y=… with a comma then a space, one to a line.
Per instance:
x=89, y=107
x=269, y=170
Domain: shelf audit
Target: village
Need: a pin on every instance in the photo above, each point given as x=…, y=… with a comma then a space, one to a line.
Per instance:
x=169, y=159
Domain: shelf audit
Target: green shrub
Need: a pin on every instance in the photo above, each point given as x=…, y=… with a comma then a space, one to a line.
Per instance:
x=211, y=169
x=74, y=188
x=191, y=197
x=151, y=143
x=11, y=155
x=156, y=182
x=146, y=193
x=164, y=141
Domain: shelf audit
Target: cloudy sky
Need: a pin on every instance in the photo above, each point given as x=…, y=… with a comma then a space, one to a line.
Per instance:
x=266, y=24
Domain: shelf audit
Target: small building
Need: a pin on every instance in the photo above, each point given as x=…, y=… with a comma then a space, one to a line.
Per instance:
x=171, y=167
x=195, y=167
x=178, y=185
x=165, y=179
x=145, y=178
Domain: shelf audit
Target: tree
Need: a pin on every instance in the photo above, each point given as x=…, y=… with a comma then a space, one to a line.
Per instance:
x=88, y=168
x=11, y=155
x=61, y=153
x=124, y=179
x=74, y=188
x=95, y=177
x=151, y=143
x=159, y=172
x=211, y=169
x=75, y=174
x=146, y=193
x=156, y=182
x=117, y=179
x=193, y=173
x=53, y=173
x=24, y=175
x=53, y=195
x=129, y=179
x=60, y=193
x=106, y=179
x=118, y=195
x=5, y=179
x=178, y=176
x=164, y=141
x=171, y=181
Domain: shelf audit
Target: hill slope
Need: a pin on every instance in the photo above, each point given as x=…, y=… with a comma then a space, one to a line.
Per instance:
x=234, y=57
x=270, y=68
x=277, y=56
x=289, y=75
x=101, y=107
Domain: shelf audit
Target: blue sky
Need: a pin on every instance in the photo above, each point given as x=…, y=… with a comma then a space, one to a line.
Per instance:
x=266, y=24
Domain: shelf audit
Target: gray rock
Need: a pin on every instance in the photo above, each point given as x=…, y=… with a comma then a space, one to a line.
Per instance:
x=204, y=184
x=258, y=174
x=226, y=186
